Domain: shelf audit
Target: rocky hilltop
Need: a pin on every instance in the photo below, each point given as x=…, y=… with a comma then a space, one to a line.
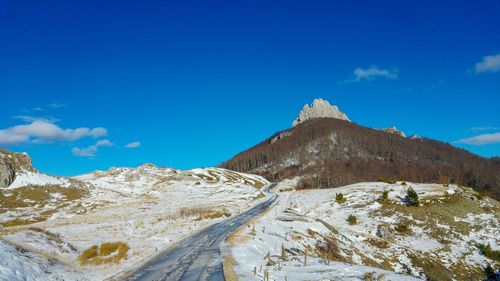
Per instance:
x=319, y=109
x=12, y=163
x=394, y=130
x=332, y=152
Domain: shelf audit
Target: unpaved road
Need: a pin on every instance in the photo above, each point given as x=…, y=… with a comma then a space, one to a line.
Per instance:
x=198, y=257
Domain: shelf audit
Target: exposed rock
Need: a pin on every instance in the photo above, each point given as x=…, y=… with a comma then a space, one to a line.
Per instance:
x=10, y=164
x=281, y=136
x=319, y=108
x=394, y=130
x=384, y=232
x=7, y=174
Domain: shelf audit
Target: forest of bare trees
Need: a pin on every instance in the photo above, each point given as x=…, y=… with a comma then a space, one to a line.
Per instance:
x=331, y=152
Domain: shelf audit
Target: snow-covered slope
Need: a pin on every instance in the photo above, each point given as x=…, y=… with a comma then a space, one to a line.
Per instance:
x=146, y=208
x=440, y=241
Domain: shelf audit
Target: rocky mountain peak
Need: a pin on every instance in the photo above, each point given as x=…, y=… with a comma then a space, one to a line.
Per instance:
x=318, y=109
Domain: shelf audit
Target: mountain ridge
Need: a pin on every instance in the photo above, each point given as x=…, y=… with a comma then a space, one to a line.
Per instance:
x=337, y=152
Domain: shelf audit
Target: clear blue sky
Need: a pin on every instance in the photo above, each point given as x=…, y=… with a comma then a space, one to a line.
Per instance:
x=196, y=82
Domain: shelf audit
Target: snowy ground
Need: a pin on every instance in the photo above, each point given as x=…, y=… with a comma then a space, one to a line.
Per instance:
x=440, y=242
x=148, y=208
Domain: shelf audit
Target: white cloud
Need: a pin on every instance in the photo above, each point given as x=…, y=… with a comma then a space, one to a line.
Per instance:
x=92, y=150
x=104, y=142
x=488, y=64
x=98, y=132
x=482, y=139
x=40, y=131
x=372, y=73
x=134, y=144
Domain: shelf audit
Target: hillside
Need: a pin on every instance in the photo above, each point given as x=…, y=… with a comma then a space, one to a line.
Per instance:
x=55, y=228
x=315, y=235
x=330, y=152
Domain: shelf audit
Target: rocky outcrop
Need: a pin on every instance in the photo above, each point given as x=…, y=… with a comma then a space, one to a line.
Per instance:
x=394, y=130
x=10, y=164
x=319, y=109
x=7, y=174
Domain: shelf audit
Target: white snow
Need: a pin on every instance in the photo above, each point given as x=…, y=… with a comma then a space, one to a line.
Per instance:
x=297, y=215
x=24, y=178
x=139, y=206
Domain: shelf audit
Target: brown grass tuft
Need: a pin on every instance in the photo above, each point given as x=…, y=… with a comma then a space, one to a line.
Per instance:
x=228, y=268
x=107, y=253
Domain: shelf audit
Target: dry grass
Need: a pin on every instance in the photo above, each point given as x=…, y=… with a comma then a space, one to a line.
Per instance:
x=260, y=196
x=202, y=213
x=328, y=249
x=440, y=210
x=213, y=215
x=378, y=242
x=53, y=237
x=194, y=211
x=228, y=267
x=37, y=197
x=105, y=254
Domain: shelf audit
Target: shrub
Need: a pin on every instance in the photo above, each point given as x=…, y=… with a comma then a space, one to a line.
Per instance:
x=403, y=183
x=304, y=183
x=352, y=219
x=213, y=215
x=401, y=227
x=329, y=250
x=386, y=180
x=385, y=195
x=489, y=272
x=339, y=197
x=88, y=254
x=411, y=197
x=106, y=253
x=488, y=252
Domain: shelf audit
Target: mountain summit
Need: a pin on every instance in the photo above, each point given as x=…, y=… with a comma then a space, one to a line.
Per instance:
x=332, y=152
x=320, y=108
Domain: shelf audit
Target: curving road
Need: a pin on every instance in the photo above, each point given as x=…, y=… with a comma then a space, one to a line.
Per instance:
x=198, y=257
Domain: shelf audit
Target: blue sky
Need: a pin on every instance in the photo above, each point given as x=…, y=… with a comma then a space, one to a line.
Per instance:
x=192, y=83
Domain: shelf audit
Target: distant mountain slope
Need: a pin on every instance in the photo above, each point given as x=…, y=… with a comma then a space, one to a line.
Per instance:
x=331, y=152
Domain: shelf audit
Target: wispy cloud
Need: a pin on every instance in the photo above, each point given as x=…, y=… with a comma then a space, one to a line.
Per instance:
x=29, y=119
x=91, y=151
x=482, y=129
x=58, y=105
x=481, y=139
x=488, y=64
x=46, y=107
x=134, y=144
x=372, y=73
x=41, y=131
